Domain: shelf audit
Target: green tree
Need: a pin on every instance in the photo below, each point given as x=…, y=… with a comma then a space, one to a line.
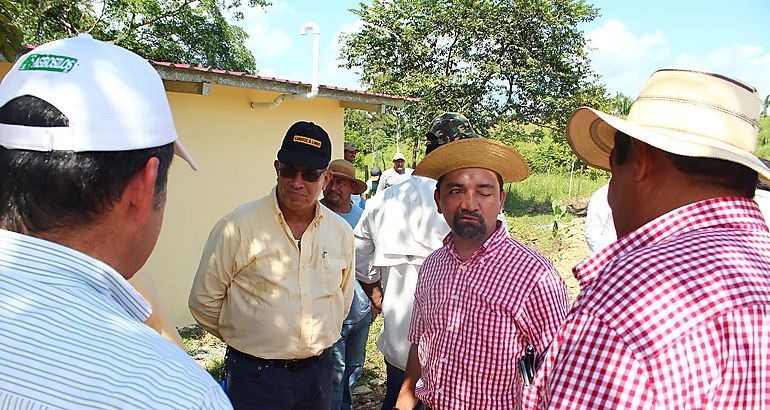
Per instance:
x=620, y=105
x=765, y=105
x=186, y=31
x=373, y=134
x=10, y=33
x=494, y=61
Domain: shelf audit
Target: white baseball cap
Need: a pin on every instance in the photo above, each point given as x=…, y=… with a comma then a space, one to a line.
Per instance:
x=113, y=98
x=398, y=156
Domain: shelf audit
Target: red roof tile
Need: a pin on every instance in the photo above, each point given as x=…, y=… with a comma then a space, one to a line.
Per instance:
x=280, y=80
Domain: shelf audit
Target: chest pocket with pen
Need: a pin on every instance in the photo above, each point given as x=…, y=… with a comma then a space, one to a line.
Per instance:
x=331, y=269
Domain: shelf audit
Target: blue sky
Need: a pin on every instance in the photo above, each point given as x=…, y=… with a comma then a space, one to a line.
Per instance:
x=628, y=41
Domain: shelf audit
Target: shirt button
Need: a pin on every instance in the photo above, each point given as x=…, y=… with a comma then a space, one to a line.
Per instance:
x=439, y=390
x=455, y=297
x=462, y=268
x=450, y=328
x=445, y=359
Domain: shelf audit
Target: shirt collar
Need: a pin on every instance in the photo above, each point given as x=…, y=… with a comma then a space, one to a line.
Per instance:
x=498, y=237
x=725, y=212
x=69, y=264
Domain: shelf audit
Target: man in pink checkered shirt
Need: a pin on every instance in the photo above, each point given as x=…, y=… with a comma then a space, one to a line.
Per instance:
x=482, y=298
x=676, y=313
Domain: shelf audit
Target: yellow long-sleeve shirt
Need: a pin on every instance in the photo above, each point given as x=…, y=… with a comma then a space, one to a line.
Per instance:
x=262, y=294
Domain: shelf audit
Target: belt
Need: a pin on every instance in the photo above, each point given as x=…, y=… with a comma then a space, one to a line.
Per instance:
x=291, y=364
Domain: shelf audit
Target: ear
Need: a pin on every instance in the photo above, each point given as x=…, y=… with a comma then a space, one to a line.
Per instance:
x=436, y=198
x=138, y=198
x=328, y=175
x=277, y=166
x=642, y=157
x=502, y=201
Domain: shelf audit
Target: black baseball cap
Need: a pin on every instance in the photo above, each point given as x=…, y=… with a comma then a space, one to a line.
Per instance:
x=306, y=145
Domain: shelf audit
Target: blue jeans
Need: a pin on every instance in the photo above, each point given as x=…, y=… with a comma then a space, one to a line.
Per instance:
x=254, y=383
x=348, y=355
x=393, y=386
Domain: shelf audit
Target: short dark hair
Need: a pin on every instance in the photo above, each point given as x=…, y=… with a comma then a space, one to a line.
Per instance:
x=40, y=191
x=441, y=178
x=706, y=171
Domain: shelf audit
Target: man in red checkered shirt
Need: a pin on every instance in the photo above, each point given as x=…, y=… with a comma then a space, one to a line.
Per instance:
x=482, y=298
x=676, y=313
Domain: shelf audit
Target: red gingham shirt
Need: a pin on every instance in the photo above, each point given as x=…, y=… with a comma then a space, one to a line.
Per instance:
x=473, y=319
x=674, y=315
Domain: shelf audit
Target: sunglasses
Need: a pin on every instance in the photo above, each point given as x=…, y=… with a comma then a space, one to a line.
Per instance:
x=289, y=172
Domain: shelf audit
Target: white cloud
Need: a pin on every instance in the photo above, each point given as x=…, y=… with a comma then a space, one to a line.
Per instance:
x=266, y=42
x=749, y=63
x=268, y=72
x=625, y=59
x=330, y=72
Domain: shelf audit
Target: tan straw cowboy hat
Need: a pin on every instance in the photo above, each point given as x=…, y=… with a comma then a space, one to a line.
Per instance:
x=689, y=113
x=453, y=144
x=345, y=169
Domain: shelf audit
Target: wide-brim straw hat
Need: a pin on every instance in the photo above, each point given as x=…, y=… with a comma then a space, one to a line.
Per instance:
x=345, y=169
x=688, y=113
x=474, y=153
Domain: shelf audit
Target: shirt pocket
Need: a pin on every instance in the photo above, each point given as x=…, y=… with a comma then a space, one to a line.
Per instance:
x=263, y=277
x=332, y=276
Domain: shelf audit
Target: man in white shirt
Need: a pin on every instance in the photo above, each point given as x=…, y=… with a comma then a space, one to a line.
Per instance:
x=600, y=227
x=399, y=173
x=87, y=140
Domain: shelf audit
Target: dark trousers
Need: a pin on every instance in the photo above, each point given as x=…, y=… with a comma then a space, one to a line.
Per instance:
x=395, y=377
x=255, y=383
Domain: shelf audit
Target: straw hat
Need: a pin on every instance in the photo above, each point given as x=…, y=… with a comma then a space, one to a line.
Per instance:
x=454, y=145
x=345, y=169
x=683, y=112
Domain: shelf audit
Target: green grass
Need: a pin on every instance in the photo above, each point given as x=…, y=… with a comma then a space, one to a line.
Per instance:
x=206, y=349
x=528, y=207
x=534, y=195
x=374, y=366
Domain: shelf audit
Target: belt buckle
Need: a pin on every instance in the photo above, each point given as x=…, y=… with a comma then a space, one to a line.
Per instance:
x=291, y=364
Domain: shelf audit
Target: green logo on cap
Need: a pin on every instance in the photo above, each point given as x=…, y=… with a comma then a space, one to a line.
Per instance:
x=48, y=62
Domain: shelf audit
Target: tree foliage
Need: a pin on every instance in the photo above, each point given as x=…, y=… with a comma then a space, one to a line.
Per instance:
x=10, y=33
x=493, y=60
x=187, y=31
x=373, y=134
x=620, y=105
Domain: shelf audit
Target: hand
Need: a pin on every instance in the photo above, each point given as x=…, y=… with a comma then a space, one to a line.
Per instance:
x=406, y=402
x=376, y=299
x=375, y=313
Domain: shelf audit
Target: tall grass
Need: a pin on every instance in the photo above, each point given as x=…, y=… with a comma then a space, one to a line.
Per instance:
x=528, y=208
x=535, y=194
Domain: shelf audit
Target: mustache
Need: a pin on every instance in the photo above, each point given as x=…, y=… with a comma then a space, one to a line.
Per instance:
x=465, y=212
x=469, y=230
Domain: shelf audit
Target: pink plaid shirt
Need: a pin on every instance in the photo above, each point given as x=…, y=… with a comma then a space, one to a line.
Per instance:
x=674, y=315
x=473, y=319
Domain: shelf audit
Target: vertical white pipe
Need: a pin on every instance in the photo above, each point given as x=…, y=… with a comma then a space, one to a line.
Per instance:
x=313, y=27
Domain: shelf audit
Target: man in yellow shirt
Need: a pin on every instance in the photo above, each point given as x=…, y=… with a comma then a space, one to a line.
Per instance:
x=276, y=281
